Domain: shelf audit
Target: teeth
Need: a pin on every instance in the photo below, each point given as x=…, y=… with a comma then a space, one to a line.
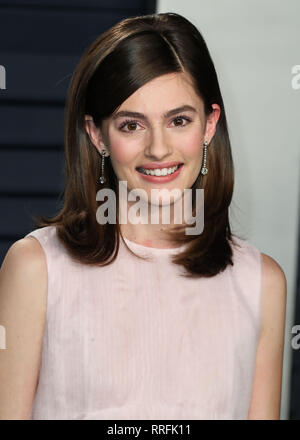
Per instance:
x=159, y=171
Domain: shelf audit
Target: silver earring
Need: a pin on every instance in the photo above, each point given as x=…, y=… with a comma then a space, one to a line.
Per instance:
x=204, y=170
x=102, y=178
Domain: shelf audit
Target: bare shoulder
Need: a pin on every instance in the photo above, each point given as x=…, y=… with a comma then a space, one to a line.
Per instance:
x=23, y=298
x=24, y=272
x=274, y=290
x=266, y=392
x=27, y=246
x=272, y=271
x=26, y=256
x=273, y=278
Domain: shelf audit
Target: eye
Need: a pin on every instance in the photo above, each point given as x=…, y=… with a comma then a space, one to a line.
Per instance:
x=129, y=122
x=132, y=122
x=181, y=117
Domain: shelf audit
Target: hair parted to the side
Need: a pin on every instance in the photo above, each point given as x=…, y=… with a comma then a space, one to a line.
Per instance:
x=120, y=61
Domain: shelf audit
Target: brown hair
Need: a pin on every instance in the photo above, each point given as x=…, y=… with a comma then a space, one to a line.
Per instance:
x=120, y=61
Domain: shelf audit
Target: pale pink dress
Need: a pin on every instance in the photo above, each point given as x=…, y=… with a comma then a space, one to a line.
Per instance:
x=134, y=340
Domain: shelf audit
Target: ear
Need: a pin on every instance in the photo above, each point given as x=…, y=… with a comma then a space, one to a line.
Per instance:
x=211, y=123
x=94, y=134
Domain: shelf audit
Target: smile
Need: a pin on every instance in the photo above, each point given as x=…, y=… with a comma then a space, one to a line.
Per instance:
x=160, y=174
x=159, y=171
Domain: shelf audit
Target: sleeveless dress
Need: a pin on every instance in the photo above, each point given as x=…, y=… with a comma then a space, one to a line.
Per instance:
x=135, y=340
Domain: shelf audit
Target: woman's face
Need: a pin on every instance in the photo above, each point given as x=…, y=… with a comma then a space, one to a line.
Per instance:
x=160, y=136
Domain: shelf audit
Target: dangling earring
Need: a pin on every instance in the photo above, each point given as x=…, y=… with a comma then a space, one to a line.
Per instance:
x=204, y=170
x=102, y=178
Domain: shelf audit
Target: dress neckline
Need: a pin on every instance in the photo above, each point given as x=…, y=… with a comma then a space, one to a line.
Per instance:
x=152, y=250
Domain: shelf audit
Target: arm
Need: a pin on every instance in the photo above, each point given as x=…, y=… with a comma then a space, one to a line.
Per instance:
x=23, y=288
x=266, y=391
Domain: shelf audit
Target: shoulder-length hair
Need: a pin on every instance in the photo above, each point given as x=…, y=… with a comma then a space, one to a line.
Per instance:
x=119, y=62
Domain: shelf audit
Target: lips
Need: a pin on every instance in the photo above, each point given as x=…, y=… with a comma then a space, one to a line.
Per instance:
x=148, y=177
x=153, y=166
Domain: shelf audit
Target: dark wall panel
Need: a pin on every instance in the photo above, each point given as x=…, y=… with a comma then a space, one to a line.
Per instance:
x=41, y=42
x=61, y=32
x=31, y=172
x=17, y=213
x=131, y=5
x=30, y=124
x=37, y=76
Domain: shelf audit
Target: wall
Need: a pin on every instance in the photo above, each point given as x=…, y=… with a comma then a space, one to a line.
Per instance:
x=255, y=45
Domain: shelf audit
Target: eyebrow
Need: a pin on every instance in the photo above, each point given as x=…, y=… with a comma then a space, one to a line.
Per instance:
x=172, y=112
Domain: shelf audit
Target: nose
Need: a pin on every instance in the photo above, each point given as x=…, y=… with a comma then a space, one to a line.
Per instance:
x=158, y=147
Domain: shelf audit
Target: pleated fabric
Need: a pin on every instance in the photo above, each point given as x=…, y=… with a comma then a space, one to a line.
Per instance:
x=135, y=340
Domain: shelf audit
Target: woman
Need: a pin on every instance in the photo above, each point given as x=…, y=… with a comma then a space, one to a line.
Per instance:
x=142, y=320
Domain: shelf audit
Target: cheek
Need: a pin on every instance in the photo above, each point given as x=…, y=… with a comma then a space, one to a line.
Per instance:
x=123, y=151
x=192, y=146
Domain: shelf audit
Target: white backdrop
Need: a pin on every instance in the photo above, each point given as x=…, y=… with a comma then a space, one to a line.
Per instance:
x=255, y=46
